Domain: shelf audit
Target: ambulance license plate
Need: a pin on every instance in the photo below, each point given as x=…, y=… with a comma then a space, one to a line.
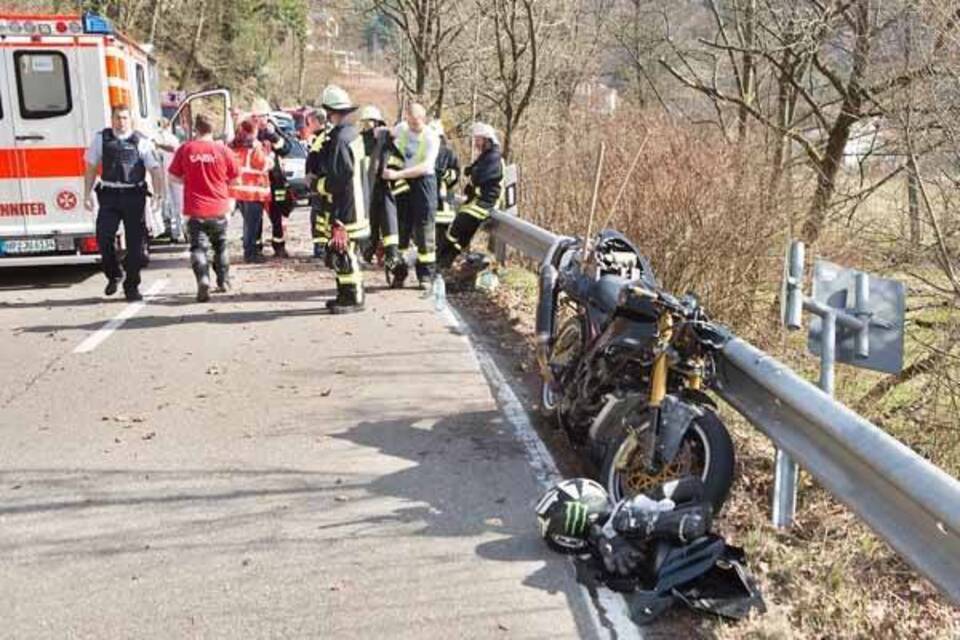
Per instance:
x=29, y=245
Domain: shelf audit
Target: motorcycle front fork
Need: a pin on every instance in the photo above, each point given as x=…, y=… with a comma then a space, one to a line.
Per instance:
x=658, y=391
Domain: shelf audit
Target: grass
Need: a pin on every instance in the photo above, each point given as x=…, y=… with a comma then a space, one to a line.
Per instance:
x=828, y=577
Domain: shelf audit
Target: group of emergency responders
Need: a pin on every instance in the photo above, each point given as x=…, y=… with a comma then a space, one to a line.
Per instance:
x=376, y=192
x=379, y=191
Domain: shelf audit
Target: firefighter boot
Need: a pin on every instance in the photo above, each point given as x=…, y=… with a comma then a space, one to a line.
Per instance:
x=349, y=299
x=395, y=266
x=280, y=249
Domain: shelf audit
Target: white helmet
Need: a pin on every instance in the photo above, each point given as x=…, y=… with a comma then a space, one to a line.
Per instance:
x=370, y=112
x=336, y=99
x=483, y=130
x=437, y=125
x=260, y=107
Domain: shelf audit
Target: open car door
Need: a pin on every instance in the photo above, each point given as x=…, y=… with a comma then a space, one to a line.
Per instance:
x=215, y=104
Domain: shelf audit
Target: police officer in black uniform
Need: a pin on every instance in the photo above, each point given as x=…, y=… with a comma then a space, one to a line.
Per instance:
x=124, y=157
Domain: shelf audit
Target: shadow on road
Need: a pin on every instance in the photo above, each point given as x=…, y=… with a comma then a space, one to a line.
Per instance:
x=472, y=478
x=156, y=322
x=182, y=300
x=47, y=277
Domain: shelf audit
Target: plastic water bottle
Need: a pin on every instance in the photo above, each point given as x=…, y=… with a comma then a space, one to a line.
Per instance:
x=439, y=293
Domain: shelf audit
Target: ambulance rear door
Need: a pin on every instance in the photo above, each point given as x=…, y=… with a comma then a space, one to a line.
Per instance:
x=50, y=136
x=12, y=223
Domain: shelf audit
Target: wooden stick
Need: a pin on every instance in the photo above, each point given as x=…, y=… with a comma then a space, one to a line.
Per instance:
x=596, y=194
x=626, y=179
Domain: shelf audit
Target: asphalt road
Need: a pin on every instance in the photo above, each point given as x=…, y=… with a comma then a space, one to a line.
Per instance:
x=255, y=467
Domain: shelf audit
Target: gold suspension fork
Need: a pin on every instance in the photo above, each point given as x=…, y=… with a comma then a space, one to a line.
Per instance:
x=658, y=375
x=695, y=380
x=658, y=391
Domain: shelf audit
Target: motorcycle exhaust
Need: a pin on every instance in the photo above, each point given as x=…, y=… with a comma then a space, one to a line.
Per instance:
x=546, y=318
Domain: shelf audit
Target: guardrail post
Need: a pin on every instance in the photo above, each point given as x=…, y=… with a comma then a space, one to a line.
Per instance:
x=785, y=468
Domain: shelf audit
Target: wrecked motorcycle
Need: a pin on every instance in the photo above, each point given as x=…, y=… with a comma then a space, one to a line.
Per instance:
x=624, y=365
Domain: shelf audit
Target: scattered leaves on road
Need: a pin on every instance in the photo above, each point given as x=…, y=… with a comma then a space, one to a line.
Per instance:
x=150, y=435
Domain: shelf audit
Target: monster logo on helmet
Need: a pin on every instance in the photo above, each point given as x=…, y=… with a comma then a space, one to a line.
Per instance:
x=567, y=510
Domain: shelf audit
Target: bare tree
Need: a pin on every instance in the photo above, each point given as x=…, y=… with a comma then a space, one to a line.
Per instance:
x=510, y=87
x=427, y=28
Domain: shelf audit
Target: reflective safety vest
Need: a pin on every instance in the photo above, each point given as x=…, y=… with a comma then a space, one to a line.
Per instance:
x=253, y=184
x=403, y=143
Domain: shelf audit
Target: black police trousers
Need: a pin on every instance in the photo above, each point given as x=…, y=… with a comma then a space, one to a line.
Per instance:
x=126, y=206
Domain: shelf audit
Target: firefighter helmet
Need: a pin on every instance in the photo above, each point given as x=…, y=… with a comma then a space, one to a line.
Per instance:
x=336, y=99
x=372, y=113
x=567, y=510
x=483, y=130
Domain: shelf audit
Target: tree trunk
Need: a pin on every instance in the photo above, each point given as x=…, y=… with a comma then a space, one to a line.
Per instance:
x=301, y=67
x=828, y=169
x=913, y=205
x=192, y=59
x=829, y=166
x=154, y=21
x=747, y=91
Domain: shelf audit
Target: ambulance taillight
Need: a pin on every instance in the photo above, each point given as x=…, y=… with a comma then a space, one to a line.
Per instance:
x=88, y=244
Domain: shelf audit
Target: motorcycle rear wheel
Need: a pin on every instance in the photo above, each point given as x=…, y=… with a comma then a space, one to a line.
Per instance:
x=567, y=347
x=706, y=451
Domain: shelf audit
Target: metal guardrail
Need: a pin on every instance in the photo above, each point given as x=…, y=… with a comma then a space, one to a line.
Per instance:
x=905, y=499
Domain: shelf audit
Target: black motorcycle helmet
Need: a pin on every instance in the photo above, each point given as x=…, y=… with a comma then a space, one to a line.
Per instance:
x=566, y=512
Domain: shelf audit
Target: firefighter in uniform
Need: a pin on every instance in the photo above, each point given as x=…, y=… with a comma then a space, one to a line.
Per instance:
x=124, y=157
x=319, y=199
x=384, y=227
x=345, y=167
x=484, y=190
x=280, y=205
x=448, y=173
x=419, y=145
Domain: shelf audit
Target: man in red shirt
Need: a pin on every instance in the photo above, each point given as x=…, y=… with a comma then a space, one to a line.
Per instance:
x=206, y=168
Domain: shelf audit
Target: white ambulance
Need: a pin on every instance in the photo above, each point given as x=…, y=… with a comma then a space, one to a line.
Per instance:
x=59, y=77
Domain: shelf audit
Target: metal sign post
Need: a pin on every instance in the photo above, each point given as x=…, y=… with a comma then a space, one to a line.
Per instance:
x=511, y=178
x=869, y=313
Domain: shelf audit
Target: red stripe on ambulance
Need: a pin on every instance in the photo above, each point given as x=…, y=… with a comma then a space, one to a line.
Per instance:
x=57, y=162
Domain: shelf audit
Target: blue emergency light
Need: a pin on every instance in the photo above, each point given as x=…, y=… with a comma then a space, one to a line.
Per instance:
x=93, y=23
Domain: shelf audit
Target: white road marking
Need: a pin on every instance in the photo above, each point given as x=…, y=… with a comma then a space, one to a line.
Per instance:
x=615, y=609
x=93, y=341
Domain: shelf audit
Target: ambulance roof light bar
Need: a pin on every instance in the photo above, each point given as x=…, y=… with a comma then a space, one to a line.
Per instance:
x=93, y=23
